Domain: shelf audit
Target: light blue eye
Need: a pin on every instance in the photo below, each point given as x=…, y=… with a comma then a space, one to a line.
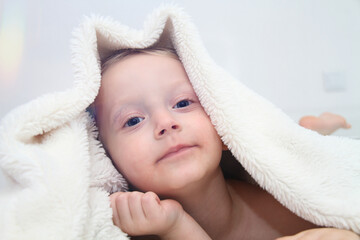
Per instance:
x=133, y=121
x=182, y=104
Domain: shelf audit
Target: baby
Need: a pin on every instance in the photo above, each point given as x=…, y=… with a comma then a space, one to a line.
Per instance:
x=159, y=137
x=325, y=124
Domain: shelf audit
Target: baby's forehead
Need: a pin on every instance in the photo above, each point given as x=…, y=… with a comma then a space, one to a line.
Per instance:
x=136, y=64
x=120, y=55
x=142, y=73
x=145, y=67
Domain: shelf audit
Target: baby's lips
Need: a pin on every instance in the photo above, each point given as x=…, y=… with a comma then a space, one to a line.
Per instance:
x=175, y=149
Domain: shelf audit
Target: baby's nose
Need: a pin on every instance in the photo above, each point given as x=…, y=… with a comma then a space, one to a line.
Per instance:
x=166, y=125
x=162, y=132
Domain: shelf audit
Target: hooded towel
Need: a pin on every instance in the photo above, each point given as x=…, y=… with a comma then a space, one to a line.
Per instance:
x=58, y=177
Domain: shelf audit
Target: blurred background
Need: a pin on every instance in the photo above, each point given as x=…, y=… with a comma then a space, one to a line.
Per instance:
x=302, y=55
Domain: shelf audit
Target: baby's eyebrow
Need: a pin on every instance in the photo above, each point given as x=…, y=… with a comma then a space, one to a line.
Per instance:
x=120, y=109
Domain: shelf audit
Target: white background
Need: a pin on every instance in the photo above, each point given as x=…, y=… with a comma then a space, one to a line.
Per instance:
x=286, y=50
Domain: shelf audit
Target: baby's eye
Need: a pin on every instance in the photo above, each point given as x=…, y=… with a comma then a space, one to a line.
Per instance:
x=133, y=121
x=182, y=104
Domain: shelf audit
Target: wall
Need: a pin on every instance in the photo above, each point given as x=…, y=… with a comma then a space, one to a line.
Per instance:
x=302, y=55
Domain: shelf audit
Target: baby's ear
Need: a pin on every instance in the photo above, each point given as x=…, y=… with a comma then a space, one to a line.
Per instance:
x=224, y=147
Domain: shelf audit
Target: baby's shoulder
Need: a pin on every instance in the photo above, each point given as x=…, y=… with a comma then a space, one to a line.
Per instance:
x=262, y=210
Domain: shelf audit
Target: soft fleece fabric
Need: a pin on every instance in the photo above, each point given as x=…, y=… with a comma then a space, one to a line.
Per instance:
x=58, y=177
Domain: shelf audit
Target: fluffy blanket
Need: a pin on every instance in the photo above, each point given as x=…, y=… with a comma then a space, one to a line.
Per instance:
x=58, y=178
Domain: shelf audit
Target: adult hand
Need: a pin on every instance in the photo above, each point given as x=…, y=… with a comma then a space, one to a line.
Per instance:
x=323, y=234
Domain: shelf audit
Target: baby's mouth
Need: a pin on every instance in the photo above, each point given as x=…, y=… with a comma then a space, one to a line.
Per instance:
x=175, y=151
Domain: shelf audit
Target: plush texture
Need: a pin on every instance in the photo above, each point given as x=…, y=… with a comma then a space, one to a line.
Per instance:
x=59, y=178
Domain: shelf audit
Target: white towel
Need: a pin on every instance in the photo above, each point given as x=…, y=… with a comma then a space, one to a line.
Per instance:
x=59, y=179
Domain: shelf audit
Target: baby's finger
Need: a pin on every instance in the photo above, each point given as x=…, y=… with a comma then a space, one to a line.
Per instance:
x=114, y=208
x=135, y=207
x=151, y=205
x=123, y=212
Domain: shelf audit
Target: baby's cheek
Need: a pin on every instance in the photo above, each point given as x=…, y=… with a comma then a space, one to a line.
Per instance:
x=122, y=159
x=214, y=139
x=132, y=156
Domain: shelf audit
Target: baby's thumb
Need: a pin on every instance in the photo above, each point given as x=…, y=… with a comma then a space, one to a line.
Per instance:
x=171, y=207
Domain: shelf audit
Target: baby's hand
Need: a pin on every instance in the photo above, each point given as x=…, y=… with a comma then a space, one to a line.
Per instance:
x=323, y=234
x=139, y=213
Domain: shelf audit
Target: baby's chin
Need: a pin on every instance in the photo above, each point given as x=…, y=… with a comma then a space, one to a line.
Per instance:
x=184, y=183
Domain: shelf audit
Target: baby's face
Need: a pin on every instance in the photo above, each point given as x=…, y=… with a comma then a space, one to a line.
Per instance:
x=153, y=126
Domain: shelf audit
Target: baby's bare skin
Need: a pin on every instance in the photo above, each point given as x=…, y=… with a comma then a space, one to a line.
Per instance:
x=255, y=215
x=178, y=160
x=263, y=216
x=325, y=124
